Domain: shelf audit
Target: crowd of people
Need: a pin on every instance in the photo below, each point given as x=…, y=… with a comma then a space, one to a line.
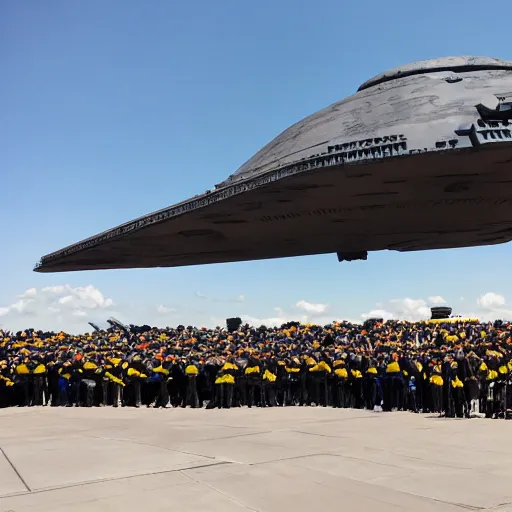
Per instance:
x=451, y=367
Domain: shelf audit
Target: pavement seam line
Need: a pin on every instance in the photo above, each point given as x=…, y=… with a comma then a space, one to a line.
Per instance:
x=231, y=498
x=113, y=479
x=376, y=484
x=461, y=505
x=152, y=446
x=15, y=470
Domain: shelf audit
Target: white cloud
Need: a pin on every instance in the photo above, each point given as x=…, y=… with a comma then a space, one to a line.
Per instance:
x=239, y=299
x=311, y=308
x=38, y=308
x=87, y=297
x=311, y=313
x=490, y=301
x=314, y=315
x=378, y=313
x=490, y=306
x=165, y=310
x=22, y=306
x=31, y=292
x=401, y=309
x=269, y=322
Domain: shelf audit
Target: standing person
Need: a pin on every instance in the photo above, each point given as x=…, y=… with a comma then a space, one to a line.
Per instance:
x=253, y=375
x=160, y=371
x=457, y=391
x=269, y=384
x=135, y=374
x=39, y=383
x=370, y=386
x=90, y=373
x=411, y=395
x=436, y=388
x=6, y=385
x=191, y=398
x=394, y=384
x=22, y=381
x=341, y=391
x=52, y=366
x=113, y=380
x=225, y=383
x=292, y=381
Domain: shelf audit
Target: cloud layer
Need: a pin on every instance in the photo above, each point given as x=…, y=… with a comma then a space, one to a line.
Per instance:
x=489, y=306
x=55, y=307
x=69, y=308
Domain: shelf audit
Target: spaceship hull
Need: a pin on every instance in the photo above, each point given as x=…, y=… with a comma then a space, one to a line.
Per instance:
x=419, y=158
x=417, y=202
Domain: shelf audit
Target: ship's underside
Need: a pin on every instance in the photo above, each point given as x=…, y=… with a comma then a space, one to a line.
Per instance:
x=408, y=203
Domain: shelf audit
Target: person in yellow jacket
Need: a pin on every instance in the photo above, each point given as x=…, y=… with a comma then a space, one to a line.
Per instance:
x=253, y=374
x=269, y=383
x=6, y=385
x=436, y=387
x=341, y=386
x=91, y=377
x=39, y=381
x=113, y=380
x=225, y=384
x=319, y=372
x=21, y=380
x=160, y=375
x=393, y=385
x=191, y=369
x=136, y=373
x=456, y=393
x=371, y=389
x=292, y=369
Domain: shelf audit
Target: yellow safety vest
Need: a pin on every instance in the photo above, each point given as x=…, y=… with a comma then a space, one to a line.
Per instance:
x=436, y=380
x=457, y=383
x=191, y=369
x=269, y=376
x=393, y=367
x=341, y=373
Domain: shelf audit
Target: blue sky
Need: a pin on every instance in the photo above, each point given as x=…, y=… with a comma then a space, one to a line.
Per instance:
x=103, y=104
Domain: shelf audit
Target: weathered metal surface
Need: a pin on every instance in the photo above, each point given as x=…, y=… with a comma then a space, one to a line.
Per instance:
x=419, y=158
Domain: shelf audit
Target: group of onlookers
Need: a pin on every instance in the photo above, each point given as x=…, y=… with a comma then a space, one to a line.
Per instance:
x=453, y=367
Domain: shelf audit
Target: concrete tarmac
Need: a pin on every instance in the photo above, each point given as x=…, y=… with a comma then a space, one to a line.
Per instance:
x=264, y=460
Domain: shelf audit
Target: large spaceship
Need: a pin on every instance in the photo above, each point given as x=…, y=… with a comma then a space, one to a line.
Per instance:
x=419, y=158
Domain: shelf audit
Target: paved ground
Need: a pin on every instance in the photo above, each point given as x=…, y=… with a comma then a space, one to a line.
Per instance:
x=297, y=459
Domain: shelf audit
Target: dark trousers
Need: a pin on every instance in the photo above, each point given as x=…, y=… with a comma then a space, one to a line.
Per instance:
x=253, y=386
x=370, y=394
x=88, y=387
x=163, y=394
x=339, y=395
x=292, y=393
x=224, y=395
x=22, y=386
x=437, y=398
x=191, y=398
